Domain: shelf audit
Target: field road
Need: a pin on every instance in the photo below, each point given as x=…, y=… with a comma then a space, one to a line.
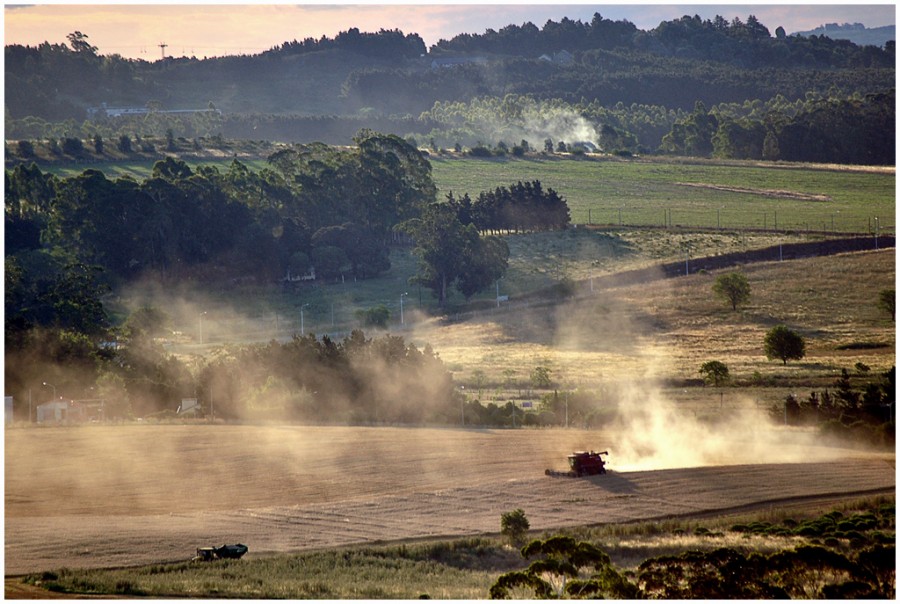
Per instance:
x=106, y=496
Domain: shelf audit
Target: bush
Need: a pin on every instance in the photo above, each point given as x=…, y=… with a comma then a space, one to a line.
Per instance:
x=124, y=144
x=72, y=146
x=480, y=151
x=25, y=148
x=377, y=316
x=514, y=525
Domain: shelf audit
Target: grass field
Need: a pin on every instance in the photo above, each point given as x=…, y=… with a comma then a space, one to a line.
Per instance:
x=656, y=191
x=666, y=191
x=668, y=328
x=455, y=569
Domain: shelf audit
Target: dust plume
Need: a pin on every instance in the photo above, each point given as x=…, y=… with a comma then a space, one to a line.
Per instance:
x=652, y=433
x=649, y=431
x=533, y=121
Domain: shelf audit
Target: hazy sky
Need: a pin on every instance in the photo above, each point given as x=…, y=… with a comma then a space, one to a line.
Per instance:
x=137, y=30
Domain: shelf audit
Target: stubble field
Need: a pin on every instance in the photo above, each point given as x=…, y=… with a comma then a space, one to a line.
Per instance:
x=107, y=496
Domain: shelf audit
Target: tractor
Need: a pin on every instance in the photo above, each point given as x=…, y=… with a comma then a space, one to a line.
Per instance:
x=207, y=554
x=583, y=463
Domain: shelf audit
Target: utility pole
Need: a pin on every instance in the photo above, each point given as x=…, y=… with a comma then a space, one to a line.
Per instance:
x=163, y=45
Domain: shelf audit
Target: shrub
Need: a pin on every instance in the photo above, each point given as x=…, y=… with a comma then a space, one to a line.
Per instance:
x=377, y=316
x=714, y=372
x=25, y=148
x=124, y=144
x=480, y=151
x=72, y=146
x=514, y=525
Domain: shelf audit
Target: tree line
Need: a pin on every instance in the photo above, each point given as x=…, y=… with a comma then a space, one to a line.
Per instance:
x=863, y=412
x=310, y=206
x=853, y=130
x=745, y=43
x=518, y=207
x=385, y=73
x=846, y=131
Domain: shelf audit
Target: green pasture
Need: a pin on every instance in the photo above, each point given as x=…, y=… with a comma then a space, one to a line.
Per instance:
x=657, y=191
x=603, y=191
x=651, y=193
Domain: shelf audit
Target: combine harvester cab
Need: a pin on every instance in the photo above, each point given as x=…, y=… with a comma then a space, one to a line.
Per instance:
x=583, y=463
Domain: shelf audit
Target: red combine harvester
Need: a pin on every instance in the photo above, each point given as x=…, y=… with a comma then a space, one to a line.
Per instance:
x=583, y=463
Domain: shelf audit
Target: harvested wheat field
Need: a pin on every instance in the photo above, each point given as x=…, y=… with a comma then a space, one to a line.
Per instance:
x=104, y=496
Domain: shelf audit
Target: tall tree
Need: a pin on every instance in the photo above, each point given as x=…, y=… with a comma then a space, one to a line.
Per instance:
x=441, y=241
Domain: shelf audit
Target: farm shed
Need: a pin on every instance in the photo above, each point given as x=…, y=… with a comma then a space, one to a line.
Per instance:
x=188, y=406
x=60, y=412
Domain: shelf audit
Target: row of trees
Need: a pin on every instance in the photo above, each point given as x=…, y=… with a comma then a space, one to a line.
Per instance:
x=746, y=43
x=848, y=405
x=519, y=207
x=856, y=129
x=385, y=44
x=357, y=380
x=848, y=131
x=313, y=205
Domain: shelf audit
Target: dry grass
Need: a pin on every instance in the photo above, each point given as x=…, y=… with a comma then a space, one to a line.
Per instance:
x=669, y=327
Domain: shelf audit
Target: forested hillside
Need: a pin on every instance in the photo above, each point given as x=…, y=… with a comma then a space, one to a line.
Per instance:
x=605, y=81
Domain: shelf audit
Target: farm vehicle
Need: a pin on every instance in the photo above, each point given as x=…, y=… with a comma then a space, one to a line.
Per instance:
x=582, y=463
x=207, y=554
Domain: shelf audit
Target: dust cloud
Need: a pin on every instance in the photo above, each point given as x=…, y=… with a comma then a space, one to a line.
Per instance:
x=536, y=123
x=648, y=430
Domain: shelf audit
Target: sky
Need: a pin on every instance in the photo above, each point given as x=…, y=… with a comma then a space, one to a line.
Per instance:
x=205, y=29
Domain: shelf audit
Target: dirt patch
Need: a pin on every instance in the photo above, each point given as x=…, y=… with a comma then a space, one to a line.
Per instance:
x=123, y=496
x=774, y=193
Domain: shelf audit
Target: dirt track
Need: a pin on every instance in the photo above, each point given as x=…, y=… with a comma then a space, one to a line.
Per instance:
x=126, y=495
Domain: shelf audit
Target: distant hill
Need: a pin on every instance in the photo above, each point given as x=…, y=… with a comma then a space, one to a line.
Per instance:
x=855, y=32
x=389, y=74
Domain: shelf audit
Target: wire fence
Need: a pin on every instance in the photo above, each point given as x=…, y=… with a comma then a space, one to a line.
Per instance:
x=737, y=220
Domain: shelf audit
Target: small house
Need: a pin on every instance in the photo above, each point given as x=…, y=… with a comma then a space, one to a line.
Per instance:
x=60, y=412
x=188, y=406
